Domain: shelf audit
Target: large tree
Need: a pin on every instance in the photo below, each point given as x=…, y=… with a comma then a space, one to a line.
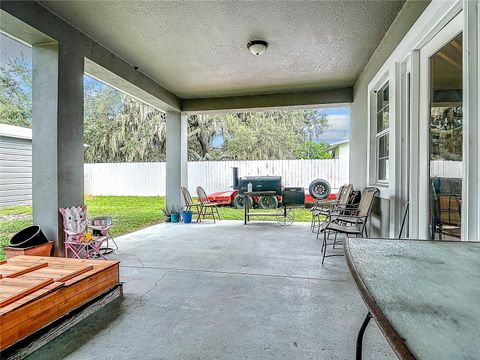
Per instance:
x=257, y=135
x=16, y=92
x=203, y=131
x=119, y=128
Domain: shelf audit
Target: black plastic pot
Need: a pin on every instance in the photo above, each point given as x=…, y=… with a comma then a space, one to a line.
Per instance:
x=28, y=237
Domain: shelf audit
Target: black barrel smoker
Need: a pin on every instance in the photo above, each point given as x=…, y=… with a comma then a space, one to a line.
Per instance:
x=268, y=187
x=261, y=183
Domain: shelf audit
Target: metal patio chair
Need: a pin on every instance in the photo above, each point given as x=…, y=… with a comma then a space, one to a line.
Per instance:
x=75, y=227
x=189, y=204
x=348, y=220
x=324, y=207
x=207, y=208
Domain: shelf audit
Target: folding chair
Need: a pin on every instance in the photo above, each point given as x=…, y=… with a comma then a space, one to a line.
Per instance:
x=350, y=220
x=324, y=207
x=207, y=208
x=189, y=204
x=75, y=226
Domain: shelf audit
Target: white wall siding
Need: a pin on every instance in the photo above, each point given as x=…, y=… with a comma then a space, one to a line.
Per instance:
x=15, y=171
x=148, y=179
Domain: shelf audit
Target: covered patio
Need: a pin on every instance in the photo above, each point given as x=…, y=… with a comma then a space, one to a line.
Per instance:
x=227, y=292
x=409, y=71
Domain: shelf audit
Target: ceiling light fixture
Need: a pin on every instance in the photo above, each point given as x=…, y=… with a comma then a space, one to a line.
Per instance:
x=257, y=47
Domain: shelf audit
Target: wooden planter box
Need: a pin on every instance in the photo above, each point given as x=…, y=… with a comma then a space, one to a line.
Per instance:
x=37, y=291
x=38, y=250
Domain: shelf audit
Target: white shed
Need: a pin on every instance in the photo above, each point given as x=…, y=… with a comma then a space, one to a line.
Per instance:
x=15, y=166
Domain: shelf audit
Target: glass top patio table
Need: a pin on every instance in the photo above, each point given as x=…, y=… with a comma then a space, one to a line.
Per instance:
x=424, y=295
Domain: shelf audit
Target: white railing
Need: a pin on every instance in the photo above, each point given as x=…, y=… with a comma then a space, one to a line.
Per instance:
x=148, y=179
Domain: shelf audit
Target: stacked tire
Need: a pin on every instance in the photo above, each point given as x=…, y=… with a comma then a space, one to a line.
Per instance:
x=319, y=189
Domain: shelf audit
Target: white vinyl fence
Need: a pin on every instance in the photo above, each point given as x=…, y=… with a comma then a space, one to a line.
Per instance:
x=446, y=168
x=148, y=179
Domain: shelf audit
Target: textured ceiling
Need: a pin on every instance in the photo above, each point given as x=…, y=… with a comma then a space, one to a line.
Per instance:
x=198, y=49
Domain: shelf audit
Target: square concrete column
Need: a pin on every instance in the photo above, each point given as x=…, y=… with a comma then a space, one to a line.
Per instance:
x=176, y=164
x=471, y=119
x=57, y=136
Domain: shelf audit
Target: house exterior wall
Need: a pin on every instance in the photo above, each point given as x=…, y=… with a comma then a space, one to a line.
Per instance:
x=359, y=111
x=15, y=171
x=344, y=152
x=408, y=165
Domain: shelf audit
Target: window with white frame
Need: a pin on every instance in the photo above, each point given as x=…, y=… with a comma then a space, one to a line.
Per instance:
x=382, y=135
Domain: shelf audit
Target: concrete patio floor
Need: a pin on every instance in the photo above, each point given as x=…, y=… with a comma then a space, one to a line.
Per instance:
x=225, y=291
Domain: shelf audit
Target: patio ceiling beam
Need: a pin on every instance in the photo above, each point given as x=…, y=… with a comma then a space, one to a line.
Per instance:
x=40, y=19
x=343, y=96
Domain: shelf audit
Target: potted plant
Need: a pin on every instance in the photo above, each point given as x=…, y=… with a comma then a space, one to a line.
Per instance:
x=167, y=212
x=175, y=215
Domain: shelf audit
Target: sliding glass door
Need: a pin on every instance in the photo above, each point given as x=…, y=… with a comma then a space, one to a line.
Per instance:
x=446, y=141
x=441, y=135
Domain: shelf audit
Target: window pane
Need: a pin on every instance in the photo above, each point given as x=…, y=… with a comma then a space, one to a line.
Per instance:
x=383, y=146
x=382, y=109
x=383, y=169
x=446, y=141
x=379, y=100
x=382, y=155
x=385, y=95
x=379, y=122
x=386, y=118
x=383, y=121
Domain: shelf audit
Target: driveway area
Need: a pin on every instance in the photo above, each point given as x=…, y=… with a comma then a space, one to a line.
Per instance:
x=225, y=291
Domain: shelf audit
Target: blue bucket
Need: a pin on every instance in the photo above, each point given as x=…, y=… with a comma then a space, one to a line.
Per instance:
x=187, y=217
x=174, y=217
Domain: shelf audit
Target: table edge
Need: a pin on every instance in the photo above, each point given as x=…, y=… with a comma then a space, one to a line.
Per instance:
x=394, y=339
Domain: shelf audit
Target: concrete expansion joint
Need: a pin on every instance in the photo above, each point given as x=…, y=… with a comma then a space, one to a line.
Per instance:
x=238, y=273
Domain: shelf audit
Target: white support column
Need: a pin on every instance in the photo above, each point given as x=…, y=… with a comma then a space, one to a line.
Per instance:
x=184, y=151
x=176, y=164
x=57, y=139
x=471, y=100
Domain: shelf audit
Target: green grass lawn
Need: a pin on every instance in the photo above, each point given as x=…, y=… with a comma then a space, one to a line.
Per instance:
x=129, y=213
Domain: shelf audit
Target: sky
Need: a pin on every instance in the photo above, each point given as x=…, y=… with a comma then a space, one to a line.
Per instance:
x=339, y=121
x=338, y=118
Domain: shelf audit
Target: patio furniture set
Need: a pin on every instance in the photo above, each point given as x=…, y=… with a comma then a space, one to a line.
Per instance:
x=91, y=239
x=348, y=215
x=203, y=208
x=84, y=240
